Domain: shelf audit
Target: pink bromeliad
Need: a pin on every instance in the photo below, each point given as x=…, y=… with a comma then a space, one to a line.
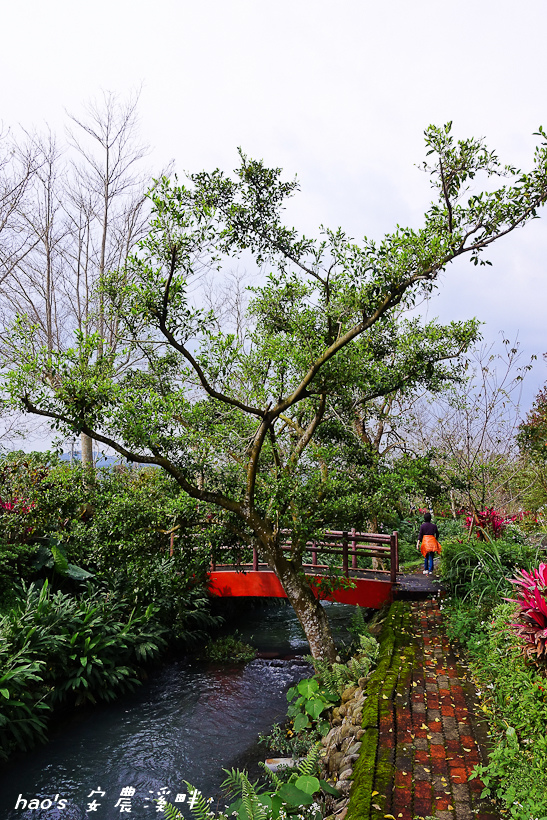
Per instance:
x=532, y=600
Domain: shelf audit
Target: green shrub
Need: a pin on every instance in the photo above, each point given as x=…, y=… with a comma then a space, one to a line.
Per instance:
x=228, y=649
x=307, y=702
x=514, y=697
x=284, y=741
x=364, y=652
x=105, y=520
x=294, y=794
x=180, y=600
x=57, y=649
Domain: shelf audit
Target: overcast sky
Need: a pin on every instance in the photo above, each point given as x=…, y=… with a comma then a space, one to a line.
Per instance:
x=337, y=93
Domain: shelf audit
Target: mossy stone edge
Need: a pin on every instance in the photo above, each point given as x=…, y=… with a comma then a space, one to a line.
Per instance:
x=374, y=770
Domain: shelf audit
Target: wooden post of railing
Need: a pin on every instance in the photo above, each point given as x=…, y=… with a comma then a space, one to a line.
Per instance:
x=394, y=556
x=255, y=559
x=353, y=539
x=213, y=562
x=345, y=563
x=313, y=553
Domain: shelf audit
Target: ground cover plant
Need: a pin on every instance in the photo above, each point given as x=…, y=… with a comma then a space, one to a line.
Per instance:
x=498, y=610
x=312, y=700
x=514, y=699
x=228, y=649
x=292, y=792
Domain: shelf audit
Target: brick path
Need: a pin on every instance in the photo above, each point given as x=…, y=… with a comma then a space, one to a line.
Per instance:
x=430, y=731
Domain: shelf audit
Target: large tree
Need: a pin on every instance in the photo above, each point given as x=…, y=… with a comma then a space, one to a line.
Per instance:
x=235, y=419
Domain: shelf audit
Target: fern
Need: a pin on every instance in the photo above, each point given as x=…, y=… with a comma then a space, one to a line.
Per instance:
x=254, y=808
x=272, y=775
x=308, y=766
x=358, y=625
x=369, y=645
x=200, y=806
x=172, y=813
x=338, y=676
x=236, y=782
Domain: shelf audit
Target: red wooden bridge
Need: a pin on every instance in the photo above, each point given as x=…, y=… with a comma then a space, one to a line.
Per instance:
x=373, y=587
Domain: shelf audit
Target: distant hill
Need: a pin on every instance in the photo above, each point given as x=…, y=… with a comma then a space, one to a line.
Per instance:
x=100, y=461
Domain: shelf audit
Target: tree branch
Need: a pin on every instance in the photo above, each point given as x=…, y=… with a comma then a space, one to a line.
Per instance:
x=195, y=492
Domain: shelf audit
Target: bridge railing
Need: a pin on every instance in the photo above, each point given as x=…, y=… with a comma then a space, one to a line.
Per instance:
x=351, y=545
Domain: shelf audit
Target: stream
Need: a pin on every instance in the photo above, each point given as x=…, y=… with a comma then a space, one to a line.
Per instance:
x=187, y=723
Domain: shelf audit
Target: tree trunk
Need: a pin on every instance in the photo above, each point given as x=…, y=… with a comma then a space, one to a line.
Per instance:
x=309, y=611
x=87, y=450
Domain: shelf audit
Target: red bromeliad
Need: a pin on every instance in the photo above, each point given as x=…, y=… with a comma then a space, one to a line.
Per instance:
x=493, y=521
x=532, y=600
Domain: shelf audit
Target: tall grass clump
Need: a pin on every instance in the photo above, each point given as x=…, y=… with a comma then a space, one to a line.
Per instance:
x=479, y=571
x=58, y=650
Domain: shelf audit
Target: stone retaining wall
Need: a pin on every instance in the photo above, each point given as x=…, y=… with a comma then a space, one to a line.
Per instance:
x=343, y=744
x=352, y=753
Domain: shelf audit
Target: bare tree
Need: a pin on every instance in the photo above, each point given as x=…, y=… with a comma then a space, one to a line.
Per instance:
x=68, y=216
x=110, y=194
x=17, y=167
x=473, y=431
x=35, y=286
x=107, y=153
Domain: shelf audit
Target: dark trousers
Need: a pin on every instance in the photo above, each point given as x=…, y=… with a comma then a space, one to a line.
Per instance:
x=428, y=561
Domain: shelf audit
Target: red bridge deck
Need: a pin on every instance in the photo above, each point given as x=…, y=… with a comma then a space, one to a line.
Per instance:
x=373, y=588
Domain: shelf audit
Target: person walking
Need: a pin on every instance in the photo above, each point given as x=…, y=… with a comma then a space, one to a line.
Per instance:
x=429, y=545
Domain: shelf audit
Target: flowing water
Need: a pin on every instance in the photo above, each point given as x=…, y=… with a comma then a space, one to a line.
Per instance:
x=187, y=723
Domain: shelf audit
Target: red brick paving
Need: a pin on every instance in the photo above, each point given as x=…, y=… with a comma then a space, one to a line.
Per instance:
x=433, y=731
